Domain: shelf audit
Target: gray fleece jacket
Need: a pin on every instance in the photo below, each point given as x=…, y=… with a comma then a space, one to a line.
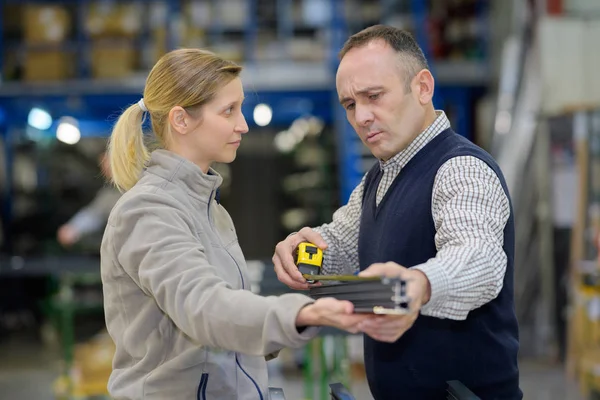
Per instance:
x=177, y=296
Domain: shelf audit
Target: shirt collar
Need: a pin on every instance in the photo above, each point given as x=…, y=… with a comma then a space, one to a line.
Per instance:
x=440, y=124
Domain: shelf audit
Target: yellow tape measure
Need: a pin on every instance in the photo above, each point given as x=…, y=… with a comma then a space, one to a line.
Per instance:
x=342, y=278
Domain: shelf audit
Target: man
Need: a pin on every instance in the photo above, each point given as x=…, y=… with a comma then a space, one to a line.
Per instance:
x=92, y=218
x=435, y=210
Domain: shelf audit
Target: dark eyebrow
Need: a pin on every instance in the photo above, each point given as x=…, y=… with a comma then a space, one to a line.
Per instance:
x=361, y=92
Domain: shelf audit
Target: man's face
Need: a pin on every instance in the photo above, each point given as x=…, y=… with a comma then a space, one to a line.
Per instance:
x=371, y=87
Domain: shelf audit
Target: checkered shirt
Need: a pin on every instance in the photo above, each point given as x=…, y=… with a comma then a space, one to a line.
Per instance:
x=469, y=209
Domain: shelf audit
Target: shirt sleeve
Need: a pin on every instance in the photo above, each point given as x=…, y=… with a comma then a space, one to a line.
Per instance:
x=93, y=217
x=341, y=235
x=470, y=210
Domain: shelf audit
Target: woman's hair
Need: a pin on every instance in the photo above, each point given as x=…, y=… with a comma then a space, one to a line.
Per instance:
x=188, y=78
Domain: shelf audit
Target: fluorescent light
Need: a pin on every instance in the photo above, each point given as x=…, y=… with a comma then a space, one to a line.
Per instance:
x=262, y=114
x=39, y=119
x=68, y=131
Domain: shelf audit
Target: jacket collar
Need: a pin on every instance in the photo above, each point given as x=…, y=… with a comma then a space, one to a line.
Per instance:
x=184, y=173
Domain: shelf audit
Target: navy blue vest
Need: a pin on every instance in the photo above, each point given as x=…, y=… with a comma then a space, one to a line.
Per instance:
x=481, y=351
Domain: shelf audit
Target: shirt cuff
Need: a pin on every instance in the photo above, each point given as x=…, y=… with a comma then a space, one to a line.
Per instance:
x=438, y=281
x=86, y=221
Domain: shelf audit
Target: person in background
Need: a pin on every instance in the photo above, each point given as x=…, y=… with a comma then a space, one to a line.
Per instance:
x=92, y=218
x=176, y=287
x=434, y=210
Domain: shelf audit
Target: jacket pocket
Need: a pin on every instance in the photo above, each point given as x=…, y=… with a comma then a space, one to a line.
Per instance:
x=201, y=394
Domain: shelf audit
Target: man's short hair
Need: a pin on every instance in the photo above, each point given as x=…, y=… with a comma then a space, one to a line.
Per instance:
x=411, y=56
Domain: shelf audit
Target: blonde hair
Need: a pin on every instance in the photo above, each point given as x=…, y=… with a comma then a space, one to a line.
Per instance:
x=188, y=78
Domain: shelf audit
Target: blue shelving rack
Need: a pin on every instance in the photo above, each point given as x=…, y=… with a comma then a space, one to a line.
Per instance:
x=95, y=104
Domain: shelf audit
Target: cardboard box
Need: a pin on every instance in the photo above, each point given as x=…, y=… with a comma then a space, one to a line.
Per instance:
x=94, y=359
x=159, y=43
x=113, y=59
x=231, y=13
x=46, y=23
x=113, y=19
x=92, y=366
x=190, y=36
x=568, y=65
x=48, y=65
x=199, y=13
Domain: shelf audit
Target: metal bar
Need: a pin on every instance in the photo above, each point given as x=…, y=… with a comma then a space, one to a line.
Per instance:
x=173, y=20
x=285, y=25
x=348, y=150
x=308, y=369
x=419, y=10
x=9, y=187
x=144, y=39
x=323, y=370
x=387, y=9
x=216, y=26
x=341, y=363
x=251, y=32
x=483, y=12
x=2, y=41
x=543, y=179
x=83, y=48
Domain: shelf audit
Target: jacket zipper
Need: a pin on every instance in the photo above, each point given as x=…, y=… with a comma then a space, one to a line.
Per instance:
x=201, y=394
x=211, y=225
x=237, y=361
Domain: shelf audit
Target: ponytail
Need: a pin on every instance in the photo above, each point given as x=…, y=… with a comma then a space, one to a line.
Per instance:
x=126, y=149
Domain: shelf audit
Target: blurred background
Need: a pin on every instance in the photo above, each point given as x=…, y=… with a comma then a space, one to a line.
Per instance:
x=517, y=77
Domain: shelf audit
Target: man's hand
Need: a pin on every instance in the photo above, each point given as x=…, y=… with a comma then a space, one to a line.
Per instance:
x=283, y=259
x=328, y=311
x=389, y=328
x=67, y=235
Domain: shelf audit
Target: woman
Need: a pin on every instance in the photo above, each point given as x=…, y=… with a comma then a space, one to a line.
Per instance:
x=177, y=298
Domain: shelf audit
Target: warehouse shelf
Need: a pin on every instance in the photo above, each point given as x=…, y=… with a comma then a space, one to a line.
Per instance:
x=280, y=70
x=272, y=75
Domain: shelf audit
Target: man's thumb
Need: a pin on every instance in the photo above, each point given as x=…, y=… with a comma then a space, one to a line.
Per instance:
x=373, y=270
x=312, y=236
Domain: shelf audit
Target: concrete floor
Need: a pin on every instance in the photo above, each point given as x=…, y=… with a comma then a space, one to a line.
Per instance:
x=27, y=371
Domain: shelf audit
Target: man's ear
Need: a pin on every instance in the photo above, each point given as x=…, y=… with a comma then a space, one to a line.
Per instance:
x=423, y=86
x=178, y=120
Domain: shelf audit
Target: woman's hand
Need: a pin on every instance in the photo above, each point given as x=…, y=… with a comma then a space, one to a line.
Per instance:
x=328, y=311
